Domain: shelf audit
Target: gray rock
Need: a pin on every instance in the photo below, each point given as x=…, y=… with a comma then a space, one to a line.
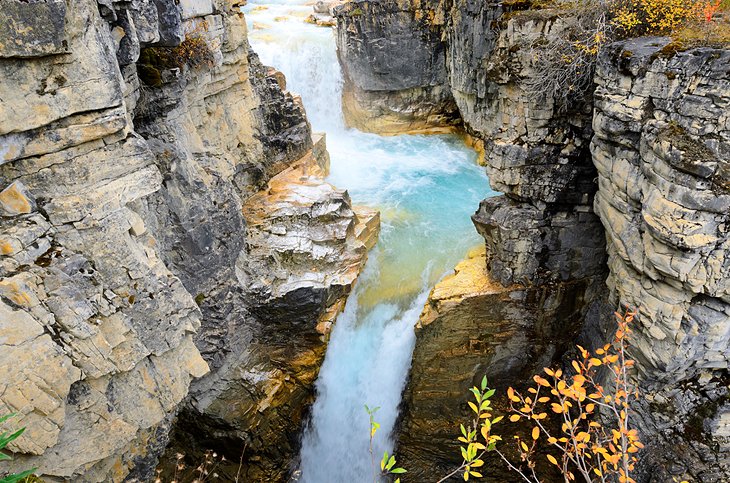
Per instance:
x=169, y=23
x=663, y=203
x=394, y=67
x=32, y=29
x=119, y=275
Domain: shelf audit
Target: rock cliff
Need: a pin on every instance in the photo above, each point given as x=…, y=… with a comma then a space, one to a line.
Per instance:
x=471, y=326
x=658, y=162
x=545, y=257
x=393, y=64
x=138, y=251
x=662, y=147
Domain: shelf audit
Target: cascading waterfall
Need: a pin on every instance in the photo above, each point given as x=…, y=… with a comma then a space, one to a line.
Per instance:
x=425, y=187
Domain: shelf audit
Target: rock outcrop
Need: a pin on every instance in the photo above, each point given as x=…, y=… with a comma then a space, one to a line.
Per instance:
x=135, y=138
x=306, y=246
x=662, y=149
x=393, y=64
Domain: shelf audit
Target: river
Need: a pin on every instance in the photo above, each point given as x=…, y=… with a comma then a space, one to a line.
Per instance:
x=426, y=188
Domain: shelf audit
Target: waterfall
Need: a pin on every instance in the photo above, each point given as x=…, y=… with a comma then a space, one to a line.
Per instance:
x=426, y=187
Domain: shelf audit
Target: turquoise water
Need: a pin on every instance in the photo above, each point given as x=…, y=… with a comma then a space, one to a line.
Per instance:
x=426, y=188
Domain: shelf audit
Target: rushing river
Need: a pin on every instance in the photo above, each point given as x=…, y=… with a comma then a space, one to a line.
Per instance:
x=426, y=188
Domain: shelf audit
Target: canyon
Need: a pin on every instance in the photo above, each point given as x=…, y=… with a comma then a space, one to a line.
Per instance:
x=643, y=157
x=179, y=256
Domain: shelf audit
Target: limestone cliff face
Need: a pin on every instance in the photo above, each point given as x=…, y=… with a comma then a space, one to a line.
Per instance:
x=544, y=264
x=536, y=150
x=662, y=149
x=136, y=252
x=393, y=63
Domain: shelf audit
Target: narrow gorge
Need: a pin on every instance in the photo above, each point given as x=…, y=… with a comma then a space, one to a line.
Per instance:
x=227, y=226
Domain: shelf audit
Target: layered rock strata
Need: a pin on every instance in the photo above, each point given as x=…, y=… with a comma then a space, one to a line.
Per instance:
x=134, y=140
x=662, y=149
x=535, y=148
x=544, y=264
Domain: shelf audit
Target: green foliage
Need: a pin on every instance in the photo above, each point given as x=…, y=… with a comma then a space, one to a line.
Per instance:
x=5, y=439
x=477, y=438
x=387, y=464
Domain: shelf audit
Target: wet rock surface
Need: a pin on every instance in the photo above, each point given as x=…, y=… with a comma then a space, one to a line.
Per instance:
x=471, y=326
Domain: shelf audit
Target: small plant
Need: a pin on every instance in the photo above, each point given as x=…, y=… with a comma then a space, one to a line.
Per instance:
x=595, y=443
x=709, y=9
x=564, y=64
x=387, y=463
x=194, y=52
x=482, y=424
x=5, y=439
x=641, y=17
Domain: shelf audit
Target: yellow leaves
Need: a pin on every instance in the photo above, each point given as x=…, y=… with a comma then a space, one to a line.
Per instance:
x=583, y=436
x=603, y=451
x=583, y=352
x=541, y=381
x=653, y=16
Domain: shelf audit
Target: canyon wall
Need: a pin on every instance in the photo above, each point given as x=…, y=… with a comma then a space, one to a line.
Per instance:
x=393, y=65
x=163, y=216
x=544, y=264
x=662, y=149
x=656, y=230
